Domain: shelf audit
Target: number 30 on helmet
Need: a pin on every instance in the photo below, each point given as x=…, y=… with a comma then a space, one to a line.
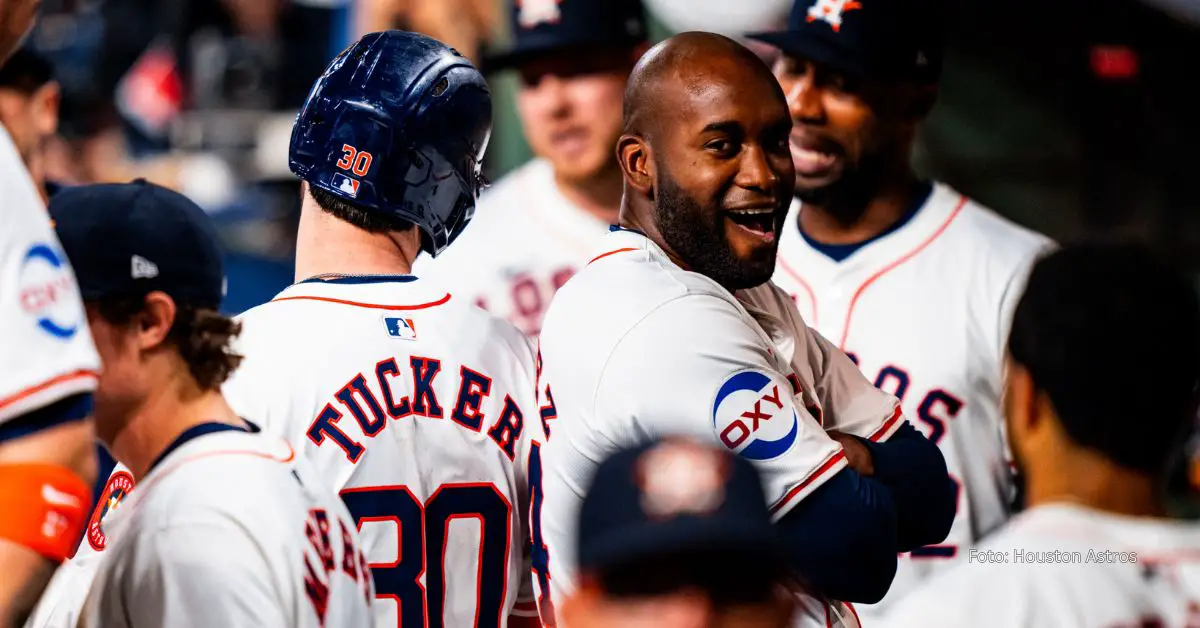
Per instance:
x=398, y=124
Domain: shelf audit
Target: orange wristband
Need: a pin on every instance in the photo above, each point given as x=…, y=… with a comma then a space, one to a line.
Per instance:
x=43, y=507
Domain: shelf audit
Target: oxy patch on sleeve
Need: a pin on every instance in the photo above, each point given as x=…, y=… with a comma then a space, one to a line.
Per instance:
x=754, y=416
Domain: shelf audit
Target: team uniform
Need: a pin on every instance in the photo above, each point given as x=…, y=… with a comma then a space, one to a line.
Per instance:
x=419, y=408
x=525, y=241
x=62, y=602
x=46, y=351
x=635, y=348
x=1067, y=565
x=230, y=528
x=924, y=310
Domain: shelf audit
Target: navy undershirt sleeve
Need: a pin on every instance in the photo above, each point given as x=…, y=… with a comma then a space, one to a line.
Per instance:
x=841, y=539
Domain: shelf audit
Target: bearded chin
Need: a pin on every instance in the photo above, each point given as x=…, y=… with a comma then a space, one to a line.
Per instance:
x=847, y=198
x=698, y=237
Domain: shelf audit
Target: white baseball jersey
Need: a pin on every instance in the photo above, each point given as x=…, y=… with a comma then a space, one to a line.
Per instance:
x=231, y=529
x=924, y=310
x=62, y=602
x=1066, y=565
x=635, y=347
x=524, y=243
x=46, y=351
x=419, y=408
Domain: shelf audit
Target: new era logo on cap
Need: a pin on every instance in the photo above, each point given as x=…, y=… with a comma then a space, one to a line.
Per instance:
x=142, y=268
x=534, y=12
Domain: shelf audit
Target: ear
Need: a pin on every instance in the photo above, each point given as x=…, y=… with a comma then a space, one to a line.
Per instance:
x=1021, y=401
x=154, y=322
x=633, y=153
x=47, y=101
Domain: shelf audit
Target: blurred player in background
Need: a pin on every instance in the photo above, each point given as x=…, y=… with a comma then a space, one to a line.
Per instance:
x=414, y=403
x=48, y=370
x=535, y=227
x=1094, y=459
x=676, y=534
x=910, y=278
x=465, y=25
x=29, y=99
x=675, y=328
x=227, y=528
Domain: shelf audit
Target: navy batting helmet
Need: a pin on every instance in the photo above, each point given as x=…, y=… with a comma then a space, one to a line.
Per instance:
x=398, y=124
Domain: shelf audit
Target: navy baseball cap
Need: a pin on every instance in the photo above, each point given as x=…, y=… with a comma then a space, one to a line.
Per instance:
x=875, y=39
x=542, y=28
x=129, y=239
x=672, y=497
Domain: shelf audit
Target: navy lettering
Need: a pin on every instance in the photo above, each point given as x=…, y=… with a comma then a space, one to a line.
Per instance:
x=507, y=429
x=326, y=425
x=425, y=402
x=382, y=371
x=346, y=396
x=471, y=392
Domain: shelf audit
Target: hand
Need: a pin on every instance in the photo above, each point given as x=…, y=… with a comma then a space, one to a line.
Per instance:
x=857, y=455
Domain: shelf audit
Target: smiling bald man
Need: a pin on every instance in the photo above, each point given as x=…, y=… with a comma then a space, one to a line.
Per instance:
x=674, y=328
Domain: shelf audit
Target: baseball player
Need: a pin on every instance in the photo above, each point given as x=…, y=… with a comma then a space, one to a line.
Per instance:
x=1095, y=546
x=676, y=534
x=227, y=527
x=909, y=277
x=675, y=328
x=535, y=227
x=415, y=404
x=48, y=370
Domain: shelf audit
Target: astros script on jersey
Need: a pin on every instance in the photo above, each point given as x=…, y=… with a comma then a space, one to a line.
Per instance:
x=524, y=243
x=924, y=310
x=419, y=408
x=230, y=528
x=1062, y=564
x=635, y=347
x=47, y=350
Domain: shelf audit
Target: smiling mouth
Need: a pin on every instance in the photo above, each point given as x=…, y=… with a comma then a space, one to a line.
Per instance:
x=759, y=223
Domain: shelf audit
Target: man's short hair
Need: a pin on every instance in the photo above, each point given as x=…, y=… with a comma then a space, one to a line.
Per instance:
x=1111, y=334
x=365, y=219
x=26, y=71
x=202, y=336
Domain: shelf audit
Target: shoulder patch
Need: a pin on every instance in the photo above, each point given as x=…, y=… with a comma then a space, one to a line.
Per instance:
x=753, y=416
x=114, y=492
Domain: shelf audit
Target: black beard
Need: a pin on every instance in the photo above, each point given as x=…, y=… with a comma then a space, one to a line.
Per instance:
x=698, y=237
x=846, y=199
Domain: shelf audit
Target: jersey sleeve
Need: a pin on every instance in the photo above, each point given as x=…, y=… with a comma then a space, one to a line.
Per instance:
x=694, y=367
x=850, y=402
x=47, y=349
x=182, y=576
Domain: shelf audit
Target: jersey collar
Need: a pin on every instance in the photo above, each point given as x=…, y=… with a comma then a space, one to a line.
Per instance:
x=196, y=431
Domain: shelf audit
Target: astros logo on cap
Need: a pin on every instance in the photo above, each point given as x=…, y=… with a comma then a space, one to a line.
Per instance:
x=534, y=12
x=831, y=11
x=679, y=477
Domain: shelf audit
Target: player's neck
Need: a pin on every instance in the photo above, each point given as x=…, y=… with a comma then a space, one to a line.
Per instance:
x=175, y=405
x=599, y=196
x=327, y=245
x=867, y=218
x=1086, y=478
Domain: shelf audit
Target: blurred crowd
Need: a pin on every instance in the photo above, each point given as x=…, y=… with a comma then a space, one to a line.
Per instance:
x=1076, y=120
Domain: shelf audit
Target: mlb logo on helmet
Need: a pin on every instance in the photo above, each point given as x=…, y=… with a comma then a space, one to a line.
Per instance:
x=753, y=416
x=402, y=328
x=534, y=12
x=346, y=185
x=831, y=11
